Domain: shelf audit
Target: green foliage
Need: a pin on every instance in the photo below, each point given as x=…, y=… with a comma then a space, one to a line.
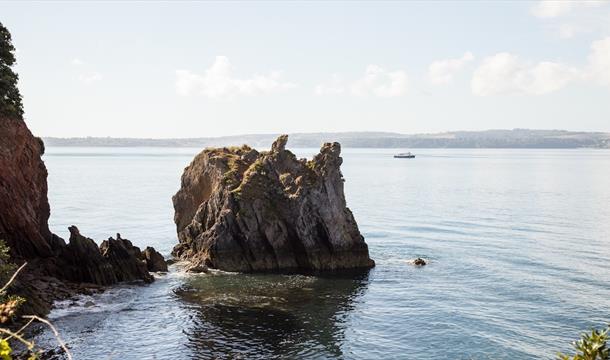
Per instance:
x=10, y=98
x=6, y=267
x=9, y=304
x=8, y=307
x=590, y=347
x=5, y=350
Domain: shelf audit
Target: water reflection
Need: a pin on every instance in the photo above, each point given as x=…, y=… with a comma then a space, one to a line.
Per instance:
x=270, y=316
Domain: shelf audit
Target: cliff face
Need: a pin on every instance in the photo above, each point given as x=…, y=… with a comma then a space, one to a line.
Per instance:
x=24, y=208
x=241, y=210
x=55, y=269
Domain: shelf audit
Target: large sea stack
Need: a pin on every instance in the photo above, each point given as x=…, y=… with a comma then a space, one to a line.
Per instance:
x=243, y=210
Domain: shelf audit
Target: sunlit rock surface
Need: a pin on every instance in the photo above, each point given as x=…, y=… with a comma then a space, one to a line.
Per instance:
x=243, y=210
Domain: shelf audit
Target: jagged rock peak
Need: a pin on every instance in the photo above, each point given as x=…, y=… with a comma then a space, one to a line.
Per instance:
x=241, y=210
x=113, y=261
x=279, y=144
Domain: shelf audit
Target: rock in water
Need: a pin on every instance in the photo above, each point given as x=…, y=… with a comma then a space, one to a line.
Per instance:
x=125, y=259
x=419, y=262
x=83, y=261
x=154, y=260
x=114, y=261
x=243, y=210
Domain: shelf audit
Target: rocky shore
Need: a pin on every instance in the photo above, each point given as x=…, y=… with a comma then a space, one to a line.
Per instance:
x=56, y=269
x=243, y=210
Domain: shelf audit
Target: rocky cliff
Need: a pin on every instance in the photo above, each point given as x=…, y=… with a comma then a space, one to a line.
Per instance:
x=55, y=269
x=24, y=214
x=24, y=208
x=243, y=210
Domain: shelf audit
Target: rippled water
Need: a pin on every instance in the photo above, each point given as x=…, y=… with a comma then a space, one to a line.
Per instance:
x=518, y=243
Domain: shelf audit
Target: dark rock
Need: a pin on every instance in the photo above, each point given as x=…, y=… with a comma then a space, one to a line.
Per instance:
x=125, y=260
x=114, y=261
x=83, y=261
x=419, y=262
x=241, y=210
x=89, y=304
x=154, y=260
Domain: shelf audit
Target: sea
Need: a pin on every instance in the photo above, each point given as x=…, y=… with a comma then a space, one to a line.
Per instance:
x=517, y=243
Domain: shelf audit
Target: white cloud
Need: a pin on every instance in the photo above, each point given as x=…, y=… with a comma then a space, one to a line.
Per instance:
x=599, y=61
x=85, y=76
x=557, y=8
x=505, y=73
x=568, y=31
x=376, y=81
x=443, y=71
x=334, y=87
x=570, y=18
x=218, y=81
x=90, y=77
x=379, y=82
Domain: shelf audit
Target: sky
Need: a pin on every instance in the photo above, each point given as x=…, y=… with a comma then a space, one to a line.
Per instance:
x=198, y=69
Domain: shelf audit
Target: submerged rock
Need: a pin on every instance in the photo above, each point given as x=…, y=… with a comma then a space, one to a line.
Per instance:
x=243, y=210
x=154, y=260
x=419, y=262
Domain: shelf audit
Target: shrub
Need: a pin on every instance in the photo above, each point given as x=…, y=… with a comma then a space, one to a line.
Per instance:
x=9, y=305
x=591, y=346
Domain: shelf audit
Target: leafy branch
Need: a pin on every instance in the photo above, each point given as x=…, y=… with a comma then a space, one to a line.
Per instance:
x=8, y=307
x=591, y=346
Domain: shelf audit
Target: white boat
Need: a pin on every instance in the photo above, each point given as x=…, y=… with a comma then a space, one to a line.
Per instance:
x=407, y=155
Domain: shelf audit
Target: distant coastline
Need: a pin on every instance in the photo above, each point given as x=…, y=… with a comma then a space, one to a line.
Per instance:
x=516, y=138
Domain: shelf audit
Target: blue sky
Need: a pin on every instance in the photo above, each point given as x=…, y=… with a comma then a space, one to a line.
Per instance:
x=187, y=69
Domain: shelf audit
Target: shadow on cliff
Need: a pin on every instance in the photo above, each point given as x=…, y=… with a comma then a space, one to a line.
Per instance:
x=271, y=316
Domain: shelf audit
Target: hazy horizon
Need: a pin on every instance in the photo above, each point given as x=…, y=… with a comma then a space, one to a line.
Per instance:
x=185, y=69
x=363, y=132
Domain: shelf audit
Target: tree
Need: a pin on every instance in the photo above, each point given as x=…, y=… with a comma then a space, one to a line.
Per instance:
x=10, y=98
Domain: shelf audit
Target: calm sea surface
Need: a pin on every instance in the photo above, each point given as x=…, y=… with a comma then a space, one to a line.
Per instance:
x=518, y=243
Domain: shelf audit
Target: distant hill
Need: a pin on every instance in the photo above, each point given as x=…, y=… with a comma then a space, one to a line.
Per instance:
x=516, y=138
